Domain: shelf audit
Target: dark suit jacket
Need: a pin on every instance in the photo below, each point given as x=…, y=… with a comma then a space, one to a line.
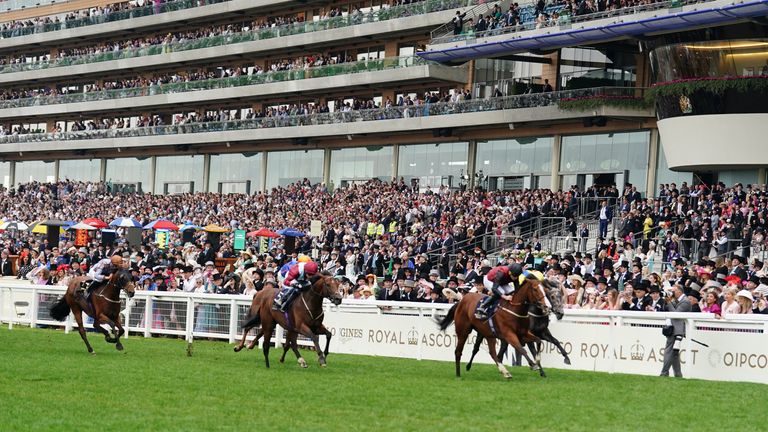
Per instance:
x=7, y=267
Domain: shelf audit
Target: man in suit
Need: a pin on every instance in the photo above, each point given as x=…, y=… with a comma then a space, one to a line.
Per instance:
x=5, y=263
x=207, y=254
x=606, y=215
x=678, y=302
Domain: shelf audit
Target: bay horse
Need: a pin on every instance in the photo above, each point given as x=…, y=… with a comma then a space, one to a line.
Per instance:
x=104, y=307
x=510, y=322
x=305, y=316
x=539, y=328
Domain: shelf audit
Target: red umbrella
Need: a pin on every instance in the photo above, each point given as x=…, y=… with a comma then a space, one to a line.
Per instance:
x=263, y=232
x=162, y=224
x=95, y=222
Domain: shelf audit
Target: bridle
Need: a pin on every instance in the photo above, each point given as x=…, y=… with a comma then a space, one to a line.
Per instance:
x=320, y=294
x=119, y=286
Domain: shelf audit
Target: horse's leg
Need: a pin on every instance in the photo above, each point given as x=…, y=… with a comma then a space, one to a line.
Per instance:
x=547, y=336
x=316, y=341
x=78, y=313
x=492, y=351
x=295, y=347
x=463, y=329
x=266, y=327
x=322, y=330
x=514, y=341
x=109, y=336
x=287, y=345
x=239, y=346
x=475, y=349
x=255, y=340
x=120, y=332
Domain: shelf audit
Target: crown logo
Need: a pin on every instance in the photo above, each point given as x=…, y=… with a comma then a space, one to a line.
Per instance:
x=637, y=352
x=413, y=337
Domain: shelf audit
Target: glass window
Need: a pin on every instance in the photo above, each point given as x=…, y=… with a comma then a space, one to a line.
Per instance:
x=179, y=174
x=286, y=167
x=39, y=171
x=607, y=153
x=231, y=172
x=433, y=164
x=666, y=176
x=80, y=169
x=360, y=164
x=514, y=156
x=731, y=177
x=135, y=173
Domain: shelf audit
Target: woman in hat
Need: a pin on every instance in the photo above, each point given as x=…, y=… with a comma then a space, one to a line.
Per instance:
x=745, y=300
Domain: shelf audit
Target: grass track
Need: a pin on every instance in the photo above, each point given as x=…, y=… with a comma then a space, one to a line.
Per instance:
x=49, y=382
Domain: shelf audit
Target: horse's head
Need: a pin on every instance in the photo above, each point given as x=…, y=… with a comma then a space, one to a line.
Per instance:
x=532, y=292
x=325, y=285
x=124, y=280
x=555, y=296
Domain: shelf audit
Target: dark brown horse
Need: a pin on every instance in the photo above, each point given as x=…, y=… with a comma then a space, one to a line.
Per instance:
x=539, y=328
x=104, y=307
x=510, y=321
x=304, y=316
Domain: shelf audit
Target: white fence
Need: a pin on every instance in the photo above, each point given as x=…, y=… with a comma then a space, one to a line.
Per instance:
x=608, y=341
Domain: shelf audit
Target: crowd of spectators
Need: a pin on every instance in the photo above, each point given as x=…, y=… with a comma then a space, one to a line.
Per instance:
x=388, y=241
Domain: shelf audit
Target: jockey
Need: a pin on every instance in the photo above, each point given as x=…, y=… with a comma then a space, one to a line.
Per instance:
x=296, y=281
x=502, y=282
x=101, y=271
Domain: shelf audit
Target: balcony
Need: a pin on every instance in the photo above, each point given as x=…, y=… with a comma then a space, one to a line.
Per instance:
x=519, y=109
x=656, y=18
x=406, y=19
x=307, y=82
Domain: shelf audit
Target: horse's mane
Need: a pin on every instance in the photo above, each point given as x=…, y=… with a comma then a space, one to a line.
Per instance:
x=319, y=275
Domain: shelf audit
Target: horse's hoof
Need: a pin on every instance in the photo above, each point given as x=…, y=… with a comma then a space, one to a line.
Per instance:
x=469, y=367
x=567, y=361
x=237, y=349
x=508, y=376
x=92, y=353
x=303, y=363
x=119, y=347
x=323, y=365
x=282, y=360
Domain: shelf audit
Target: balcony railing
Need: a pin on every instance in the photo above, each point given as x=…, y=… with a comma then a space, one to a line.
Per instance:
x=220, y=83
x=153, y=9
x=338, y=117
x=566, y=21
x=352, y=19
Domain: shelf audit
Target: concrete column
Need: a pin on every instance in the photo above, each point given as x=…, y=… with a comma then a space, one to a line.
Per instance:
x=103, y=169
x=472, y=163
x=56, y=169
x=470, y=76
x=264, y=160
x=653, y=162
x=152, y=175
x=395, y=161
x=390, y=49
x=12, y=174
x=555, y=165
x=327, y=168
x=761, y=176
x=206, y=172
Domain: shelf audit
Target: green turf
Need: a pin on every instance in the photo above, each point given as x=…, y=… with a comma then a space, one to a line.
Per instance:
x=49, y=382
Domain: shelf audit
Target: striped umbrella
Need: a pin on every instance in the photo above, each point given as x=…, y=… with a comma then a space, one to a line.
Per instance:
x=189, y=226
x=125, y=223
x=14, y=225
x=95, y=222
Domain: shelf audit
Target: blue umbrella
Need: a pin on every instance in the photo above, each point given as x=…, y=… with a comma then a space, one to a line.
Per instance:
x=188, y=226
x=125, y=223
x=290, y=232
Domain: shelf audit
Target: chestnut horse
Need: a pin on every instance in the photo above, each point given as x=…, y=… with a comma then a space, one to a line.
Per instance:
x=304, y=316
x=510, y=322
x=539, y=328
x=104, y=307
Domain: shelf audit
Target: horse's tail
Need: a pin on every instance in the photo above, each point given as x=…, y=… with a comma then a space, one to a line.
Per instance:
x=448, y=318
x=252, y=321
x=59, y=310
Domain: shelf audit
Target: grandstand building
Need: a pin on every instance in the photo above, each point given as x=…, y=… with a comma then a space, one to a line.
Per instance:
x=246, y=95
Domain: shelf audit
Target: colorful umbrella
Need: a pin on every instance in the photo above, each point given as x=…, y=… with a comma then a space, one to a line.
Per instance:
x=290, y=232
x=188, y=226
x=14, y=225
x=215, y=228
x=95, y=222
x=161, y=224
x=125, y=223
x=262, y=232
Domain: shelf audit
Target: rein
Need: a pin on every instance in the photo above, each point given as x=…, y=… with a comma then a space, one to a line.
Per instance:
x=100, y=293
x=306, y=306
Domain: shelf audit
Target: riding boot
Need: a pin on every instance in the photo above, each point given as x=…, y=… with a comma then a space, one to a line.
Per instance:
x=485, y=305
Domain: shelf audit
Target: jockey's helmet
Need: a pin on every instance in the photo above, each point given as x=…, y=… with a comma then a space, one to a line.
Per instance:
x=304, y=258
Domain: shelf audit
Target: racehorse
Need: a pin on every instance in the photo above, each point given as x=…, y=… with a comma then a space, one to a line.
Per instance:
x=510, y=322
x=104, y=307
x=539, y=328
x=304, y=316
